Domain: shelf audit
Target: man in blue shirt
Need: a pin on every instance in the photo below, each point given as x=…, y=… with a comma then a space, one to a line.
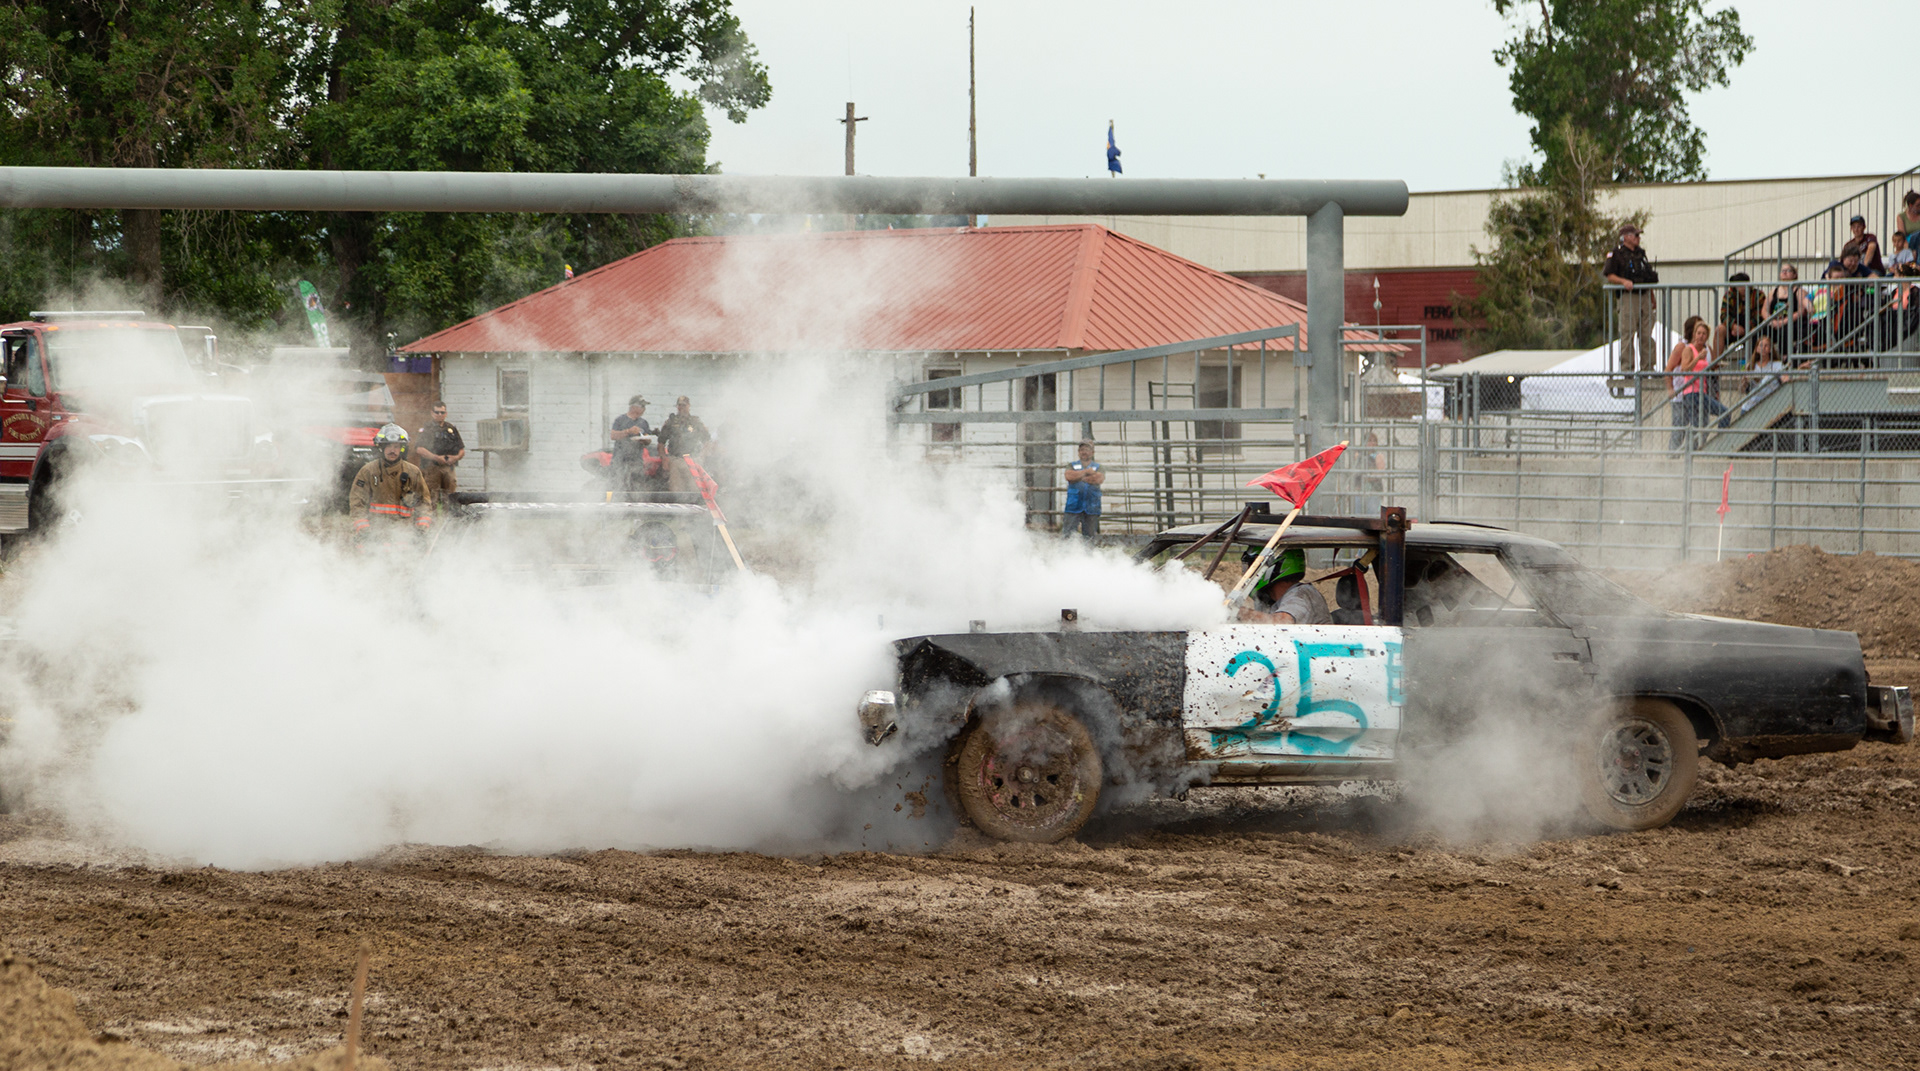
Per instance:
x=631, y=434
x=1084, y=478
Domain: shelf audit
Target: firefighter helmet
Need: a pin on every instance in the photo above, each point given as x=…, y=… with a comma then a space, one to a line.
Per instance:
x=391, y=435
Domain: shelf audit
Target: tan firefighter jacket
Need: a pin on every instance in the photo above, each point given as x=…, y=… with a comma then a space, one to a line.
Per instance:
x=392, y=490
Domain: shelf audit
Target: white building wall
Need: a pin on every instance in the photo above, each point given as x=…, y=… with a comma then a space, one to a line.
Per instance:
x=572, y=401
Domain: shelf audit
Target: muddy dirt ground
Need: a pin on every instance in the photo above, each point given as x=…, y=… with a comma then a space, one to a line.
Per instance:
x=1775, y=923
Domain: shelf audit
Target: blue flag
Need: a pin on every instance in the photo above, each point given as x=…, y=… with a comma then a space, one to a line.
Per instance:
x=1113, y=151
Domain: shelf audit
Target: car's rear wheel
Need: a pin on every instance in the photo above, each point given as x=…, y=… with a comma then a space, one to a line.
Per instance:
x=1638, y=761
x=1030, y=773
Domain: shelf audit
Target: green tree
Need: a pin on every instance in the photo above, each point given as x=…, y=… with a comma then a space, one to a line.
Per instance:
x=1540, y=285
x=520, y=85
x=474, y=85
x=112, y=83
x=1619, y=70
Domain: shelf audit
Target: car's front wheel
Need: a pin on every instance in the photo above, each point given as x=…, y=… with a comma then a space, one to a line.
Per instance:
x=1029, y=773
x=1638, y=761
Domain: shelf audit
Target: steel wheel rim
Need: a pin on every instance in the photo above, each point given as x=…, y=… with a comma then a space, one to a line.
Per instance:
x=1635, y=761
x=1031, y=778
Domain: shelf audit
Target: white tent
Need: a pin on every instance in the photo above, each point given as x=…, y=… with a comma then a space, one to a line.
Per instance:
x=1579, y=384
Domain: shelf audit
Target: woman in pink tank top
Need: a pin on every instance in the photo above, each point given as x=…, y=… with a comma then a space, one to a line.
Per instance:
x=1687, y=367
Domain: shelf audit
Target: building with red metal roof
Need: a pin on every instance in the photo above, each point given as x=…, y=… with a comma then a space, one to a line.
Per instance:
x=1074, y=288
x=542, y=377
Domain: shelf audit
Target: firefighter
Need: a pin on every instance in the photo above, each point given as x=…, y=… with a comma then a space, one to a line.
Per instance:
x=390, y=492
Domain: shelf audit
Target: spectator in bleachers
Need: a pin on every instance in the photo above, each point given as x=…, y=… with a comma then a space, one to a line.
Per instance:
x=1900, y=318
x=1693, y=400
x=1741, y=310
x=1908, y=223
x=1628, y=266
x=1825, y=299
x=1852, y=305
x=1908, y=253
x=1869, y=246
x=1849, y=262
x=1766, y=359
x=1788, y=312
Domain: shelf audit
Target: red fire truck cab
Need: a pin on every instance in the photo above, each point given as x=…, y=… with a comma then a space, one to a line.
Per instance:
x=115, y=389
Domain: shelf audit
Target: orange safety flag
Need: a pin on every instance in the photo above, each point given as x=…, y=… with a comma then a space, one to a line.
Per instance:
x=1296, y=482
x=707, y=488
x=1726, y=481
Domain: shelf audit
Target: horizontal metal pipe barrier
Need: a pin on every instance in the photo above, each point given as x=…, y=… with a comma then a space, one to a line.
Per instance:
x=457, y=191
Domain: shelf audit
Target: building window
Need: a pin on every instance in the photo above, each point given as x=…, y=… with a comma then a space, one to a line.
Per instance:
x=944, y=400
x=515, y=390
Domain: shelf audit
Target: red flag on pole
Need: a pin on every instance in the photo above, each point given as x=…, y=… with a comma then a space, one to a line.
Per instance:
x=708, y=488
x=1296, y=482
x=1726, y=481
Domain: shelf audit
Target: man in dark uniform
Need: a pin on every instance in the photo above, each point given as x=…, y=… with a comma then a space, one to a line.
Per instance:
x=1628, y=266
x=683, y=435
x=630, y=435
x=440, y=450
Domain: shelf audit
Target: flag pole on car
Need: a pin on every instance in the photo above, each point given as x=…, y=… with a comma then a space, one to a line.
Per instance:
x=708, y=489
x=1295, y=483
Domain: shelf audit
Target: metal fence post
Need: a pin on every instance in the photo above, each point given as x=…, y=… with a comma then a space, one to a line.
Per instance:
x=1813, y=402
x=1326, y=309
x=1429, y=462
x=1686, y=494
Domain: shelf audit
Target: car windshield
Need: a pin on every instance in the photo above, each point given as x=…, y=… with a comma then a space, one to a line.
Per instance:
x=100, y=358
x=1572, y=588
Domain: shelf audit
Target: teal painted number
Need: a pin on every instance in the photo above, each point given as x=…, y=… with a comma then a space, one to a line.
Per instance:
x=1255, y=658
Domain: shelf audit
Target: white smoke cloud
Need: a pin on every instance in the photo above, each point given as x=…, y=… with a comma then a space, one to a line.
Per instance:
x=229, y=684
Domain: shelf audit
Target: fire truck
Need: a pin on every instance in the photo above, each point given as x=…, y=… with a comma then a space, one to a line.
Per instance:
x=116, y=390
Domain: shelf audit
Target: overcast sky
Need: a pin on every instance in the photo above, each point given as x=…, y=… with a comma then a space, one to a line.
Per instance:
x=1232, y=88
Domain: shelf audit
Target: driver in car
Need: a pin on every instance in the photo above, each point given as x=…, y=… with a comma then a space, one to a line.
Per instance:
x=1283, y=596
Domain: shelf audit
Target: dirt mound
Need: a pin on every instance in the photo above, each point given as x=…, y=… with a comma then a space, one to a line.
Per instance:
x=41, y=1028
x=1877, y=597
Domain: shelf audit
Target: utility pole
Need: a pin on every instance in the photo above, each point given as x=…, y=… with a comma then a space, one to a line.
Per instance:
x=850, y=120
x=973, y=125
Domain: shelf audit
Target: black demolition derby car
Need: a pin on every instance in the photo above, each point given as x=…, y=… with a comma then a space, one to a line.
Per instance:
x=1447, y=634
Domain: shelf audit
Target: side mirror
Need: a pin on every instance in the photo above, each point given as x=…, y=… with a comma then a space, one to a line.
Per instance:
x=3, y=384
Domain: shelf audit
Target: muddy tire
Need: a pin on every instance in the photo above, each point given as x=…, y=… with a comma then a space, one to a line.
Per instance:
x=1638, y=761
x=1031, y=773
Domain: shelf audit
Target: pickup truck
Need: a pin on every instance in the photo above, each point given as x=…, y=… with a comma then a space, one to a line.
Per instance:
x=1444, y=630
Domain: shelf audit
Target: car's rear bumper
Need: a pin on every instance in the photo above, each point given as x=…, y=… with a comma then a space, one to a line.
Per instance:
x=1889, y=713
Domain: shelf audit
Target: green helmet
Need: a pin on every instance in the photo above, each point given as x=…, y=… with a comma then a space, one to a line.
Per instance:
x=1290, y=565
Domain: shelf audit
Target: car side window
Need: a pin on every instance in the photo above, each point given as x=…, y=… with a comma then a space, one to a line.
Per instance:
x=1467, y=589
x=36, y=375
x=16, y=363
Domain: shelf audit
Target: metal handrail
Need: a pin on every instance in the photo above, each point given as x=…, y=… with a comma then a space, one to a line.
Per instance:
x=1828, y=213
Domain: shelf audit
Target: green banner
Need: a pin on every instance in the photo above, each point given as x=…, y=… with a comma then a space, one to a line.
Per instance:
x=316, y=316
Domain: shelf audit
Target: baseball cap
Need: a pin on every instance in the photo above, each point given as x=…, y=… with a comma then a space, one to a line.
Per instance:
x=638, y=399
x=1628, y=228
x=1862, y=220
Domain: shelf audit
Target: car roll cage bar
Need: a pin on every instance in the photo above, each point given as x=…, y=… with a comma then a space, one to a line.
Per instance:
x=1390, y=527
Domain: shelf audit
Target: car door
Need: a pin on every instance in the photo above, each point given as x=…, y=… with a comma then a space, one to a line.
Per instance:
x=1292, y=692
x=24, y=421
x=1480, y=653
